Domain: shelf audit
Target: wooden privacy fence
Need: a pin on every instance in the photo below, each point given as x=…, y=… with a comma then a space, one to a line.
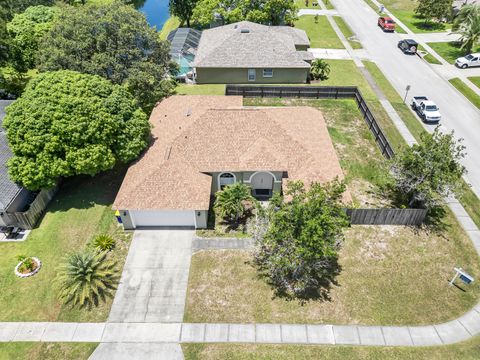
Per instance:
x=27, y=219
x=386, y=216
x=318, y=92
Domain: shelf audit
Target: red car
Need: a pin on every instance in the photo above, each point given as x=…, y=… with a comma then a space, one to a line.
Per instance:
x=386, y=23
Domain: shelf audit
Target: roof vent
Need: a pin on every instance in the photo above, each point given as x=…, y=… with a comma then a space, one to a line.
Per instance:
x=236, y=26
x=168, y=150
x=244, y=31
x=189, y=112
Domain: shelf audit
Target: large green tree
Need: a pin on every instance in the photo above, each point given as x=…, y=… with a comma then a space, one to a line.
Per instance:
x=298, y=252
x=67, y=123
x=434, y=9
x=183, y=9
x=113, y=41
x=270, y=12
x=428, y=172
x=26, y=29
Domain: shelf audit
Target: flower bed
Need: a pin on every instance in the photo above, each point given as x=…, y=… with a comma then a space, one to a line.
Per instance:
x=23, y=272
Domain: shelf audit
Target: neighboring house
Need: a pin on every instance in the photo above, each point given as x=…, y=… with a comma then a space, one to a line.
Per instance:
x=183, y=48
x=13, y=197
x=202, y=143
x=247, y=52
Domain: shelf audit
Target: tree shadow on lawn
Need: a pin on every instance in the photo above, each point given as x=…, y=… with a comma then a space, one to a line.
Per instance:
x=320, y=292
x=83, y=192
x=421, y=23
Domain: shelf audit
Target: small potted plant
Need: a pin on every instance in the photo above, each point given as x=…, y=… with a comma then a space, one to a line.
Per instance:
x=27, y=266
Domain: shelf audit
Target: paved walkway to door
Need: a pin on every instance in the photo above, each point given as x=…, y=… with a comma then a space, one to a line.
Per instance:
x=154, y=281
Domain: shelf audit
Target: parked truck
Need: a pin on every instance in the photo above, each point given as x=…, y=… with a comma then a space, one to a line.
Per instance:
x=426, y=109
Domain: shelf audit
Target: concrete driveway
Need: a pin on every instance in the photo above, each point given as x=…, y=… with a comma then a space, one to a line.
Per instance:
x=154, y=281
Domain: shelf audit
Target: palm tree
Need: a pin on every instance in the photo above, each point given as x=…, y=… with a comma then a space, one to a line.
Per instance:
x=86, y=277
x=230, y=202
x=319, y=69
x=467, y=24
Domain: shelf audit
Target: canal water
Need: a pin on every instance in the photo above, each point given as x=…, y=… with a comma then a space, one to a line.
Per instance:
x=156, y=11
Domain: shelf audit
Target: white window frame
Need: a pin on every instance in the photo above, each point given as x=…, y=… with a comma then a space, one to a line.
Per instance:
x=268, y=76
x=252, y=72
x=230, y=177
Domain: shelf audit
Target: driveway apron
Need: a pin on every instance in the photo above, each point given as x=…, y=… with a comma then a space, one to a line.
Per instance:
x=154, y=281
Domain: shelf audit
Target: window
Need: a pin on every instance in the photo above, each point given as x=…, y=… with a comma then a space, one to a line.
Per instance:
x=251, y=74
x=225, y=179
x=267, y=72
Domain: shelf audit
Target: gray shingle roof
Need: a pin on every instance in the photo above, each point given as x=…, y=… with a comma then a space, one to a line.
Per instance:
x=8, y=189
x=247, y=44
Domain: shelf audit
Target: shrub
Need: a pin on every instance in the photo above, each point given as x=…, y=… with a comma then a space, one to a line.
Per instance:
x=320, y=69
x=230, y=203
x=28, y=264
x=104, y=242
x=86, y=277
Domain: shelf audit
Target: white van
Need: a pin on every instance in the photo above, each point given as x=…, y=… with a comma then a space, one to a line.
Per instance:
x=468, y=61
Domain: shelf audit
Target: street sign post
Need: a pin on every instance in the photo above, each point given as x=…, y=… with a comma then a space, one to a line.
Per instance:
x=462, y=275
x=407, y=89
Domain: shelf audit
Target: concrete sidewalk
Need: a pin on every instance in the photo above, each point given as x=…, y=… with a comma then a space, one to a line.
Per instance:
x=316, y=12
x=117, y=334
x=433, y=37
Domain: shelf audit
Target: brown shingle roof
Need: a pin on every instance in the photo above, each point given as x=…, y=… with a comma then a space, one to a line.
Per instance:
x=220, y=135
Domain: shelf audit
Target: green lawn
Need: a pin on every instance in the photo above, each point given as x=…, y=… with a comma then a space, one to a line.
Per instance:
x=450, y=51
x=328, y=4
x=404, y=11
x=466, y=91
x=468, y=350
x=50, y=351
x=380, y=282
x=475, y=80
x=346, y=73
x=307, y=4
x=200, y=89
x=171, y=24
x=432, y=59
x=321, y=34
x=347, y=32
x=80, y=210
x=429, y=57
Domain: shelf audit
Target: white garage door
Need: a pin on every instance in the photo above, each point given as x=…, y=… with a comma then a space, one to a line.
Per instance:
x=163, y=218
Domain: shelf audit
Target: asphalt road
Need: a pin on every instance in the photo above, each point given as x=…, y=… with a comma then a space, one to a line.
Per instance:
x=402, y=70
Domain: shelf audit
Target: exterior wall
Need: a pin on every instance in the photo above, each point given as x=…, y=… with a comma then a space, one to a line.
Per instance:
x=301, y=47
x=240, y=76
x=245, y=178
x=201, y=219
x=20, y=202
x=215, y=188
x=277, y=184
x=126, y=220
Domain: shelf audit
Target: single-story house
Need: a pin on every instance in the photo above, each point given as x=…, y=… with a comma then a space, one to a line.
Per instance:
x=202, y=143
x=246, y=52
x=13, y=197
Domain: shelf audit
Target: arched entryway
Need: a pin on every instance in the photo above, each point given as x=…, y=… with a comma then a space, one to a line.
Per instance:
x=225, y=179
x=262, y=184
